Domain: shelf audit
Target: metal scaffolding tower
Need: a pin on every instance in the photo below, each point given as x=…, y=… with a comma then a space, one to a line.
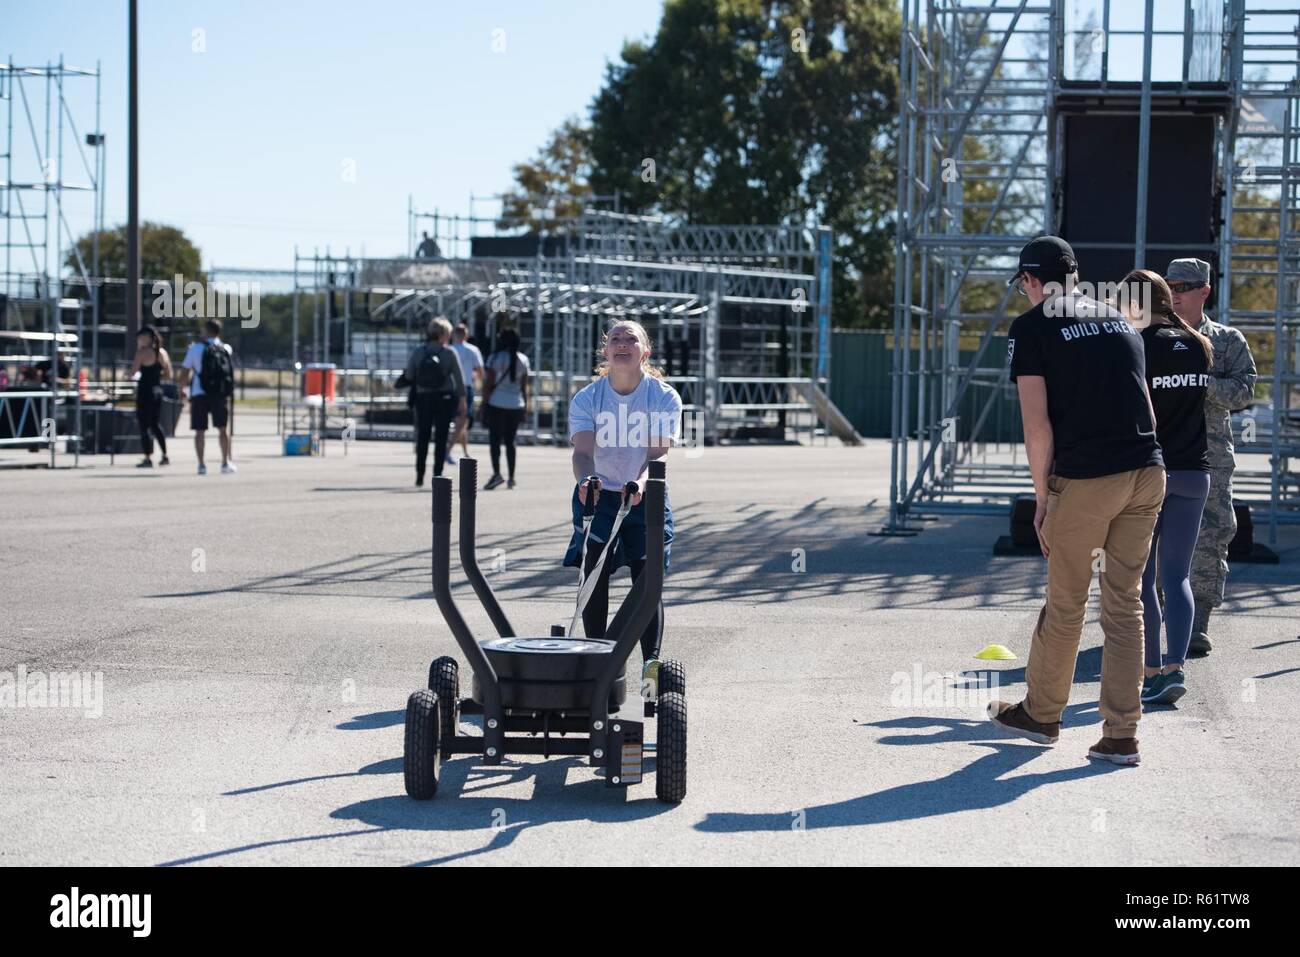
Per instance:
x=980, y=172
x=46, y=156
x=740, y=315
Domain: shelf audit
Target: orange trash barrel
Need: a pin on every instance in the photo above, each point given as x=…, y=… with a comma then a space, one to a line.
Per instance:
x=319, y=380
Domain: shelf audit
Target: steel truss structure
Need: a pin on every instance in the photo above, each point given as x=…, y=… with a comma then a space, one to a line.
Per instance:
x=980, y=169
x=46, y=155
x=741, y=313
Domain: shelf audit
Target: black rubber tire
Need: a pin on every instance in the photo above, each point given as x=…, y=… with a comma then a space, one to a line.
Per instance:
x=420, y=755
x=670, y=748
x=672, y=677
x=444, y=681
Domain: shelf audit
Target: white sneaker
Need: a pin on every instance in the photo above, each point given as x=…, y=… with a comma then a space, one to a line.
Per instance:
x=203, y=469
x=650, y=679
x=228, y=468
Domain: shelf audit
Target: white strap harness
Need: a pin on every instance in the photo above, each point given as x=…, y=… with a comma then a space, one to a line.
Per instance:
x=587, y=582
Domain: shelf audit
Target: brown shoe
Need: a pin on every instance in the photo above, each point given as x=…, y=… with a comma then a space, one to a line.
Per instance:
x=1014, y=718
x=1115, y=750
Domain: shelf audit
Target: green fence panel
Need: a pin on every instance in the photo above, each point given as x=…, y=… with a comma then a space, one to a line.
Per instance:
x=861, y=363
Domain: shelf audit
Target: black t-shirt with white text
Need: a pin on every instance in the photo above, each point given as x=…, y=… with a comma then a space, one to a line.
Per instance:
x=1178, y=374
x=1094, y=364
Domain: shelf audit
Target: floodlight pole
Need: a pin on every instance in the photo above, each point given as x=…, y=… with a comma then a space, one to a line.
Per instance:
x=1144, y=142
x=132, y=182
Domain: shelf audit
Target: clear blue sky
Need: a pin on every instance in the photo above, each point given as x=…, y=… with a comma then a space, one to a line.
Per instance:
x=243, y=145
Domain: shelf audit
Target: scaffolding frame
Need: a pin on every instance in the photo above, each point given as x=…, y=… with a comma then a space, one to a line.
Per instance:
x=980, y=167
x=40, y=130
x=686, y=284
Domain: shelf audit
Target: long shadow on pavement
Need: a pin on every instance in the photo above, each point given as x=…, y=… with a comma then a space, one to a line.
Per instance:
x=980, y=785
x=742, y=552
x=465, y=802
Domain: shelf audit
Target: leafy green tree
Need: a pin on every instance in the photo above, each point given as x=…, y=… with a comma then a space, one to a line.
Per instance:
x=556, y=183
x=763, y=111
x=164, y=252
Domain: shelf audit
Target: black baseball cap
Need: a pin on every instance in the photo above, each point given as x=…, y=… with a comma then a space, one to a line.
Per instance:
x=1047, y=257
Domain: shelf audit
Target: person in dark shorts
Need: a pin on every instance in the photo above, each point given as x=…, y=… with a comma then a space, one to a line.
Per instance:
x=505, y=402
x=209, y=368
x=471, y=370
x=154, y=365
x=1178, y=360
x=433, y=373
x=1099, y=481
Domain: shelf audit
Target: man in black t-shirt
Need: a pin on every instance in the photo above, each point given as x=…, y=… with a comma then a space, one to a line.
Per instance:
x=1099, y=484
x=428, y=248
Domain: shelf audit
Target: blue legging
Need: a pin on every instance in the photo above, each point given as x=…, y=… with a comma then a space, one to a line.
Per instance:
x=1172, y=544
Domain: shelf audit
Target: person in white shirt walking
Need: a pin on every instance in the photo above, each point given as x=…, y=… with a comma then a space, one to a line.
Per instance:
x=209, y=367
x=505, y=402
x=471, y=370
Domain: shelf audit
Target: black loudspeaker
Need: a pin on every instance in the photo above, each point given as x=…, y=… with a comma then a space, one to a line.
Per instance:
x=1099, y=214
x=1242, y=546
x=1022, y=522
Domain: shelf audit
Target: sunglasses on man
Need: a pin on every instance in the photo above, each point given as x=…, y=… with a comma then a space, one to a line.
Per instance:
x=1182, y=287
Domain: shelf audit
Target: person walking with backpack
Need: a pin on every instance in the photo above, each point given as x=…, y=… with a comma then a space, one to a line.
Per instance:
x=505, y=402
x=209, y=367
x=154, y=365
x=433, y=373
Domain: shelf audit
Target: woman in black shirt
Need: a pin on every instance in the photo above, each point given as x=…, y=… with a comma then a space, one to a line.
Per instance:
x=154, y=365
x=1178, y=360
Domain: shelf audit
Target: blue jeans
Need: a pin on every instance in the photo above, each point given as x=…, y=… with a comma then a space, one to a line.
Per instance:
x=629, y=549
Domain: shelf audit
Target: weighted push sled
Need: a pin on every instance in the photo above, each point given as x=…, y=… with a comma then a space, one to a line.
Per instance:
x=553, y=695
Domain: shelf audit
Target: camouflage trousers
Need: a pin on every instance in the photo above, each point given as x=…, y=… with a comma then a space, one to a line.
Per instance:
x=1218, y=526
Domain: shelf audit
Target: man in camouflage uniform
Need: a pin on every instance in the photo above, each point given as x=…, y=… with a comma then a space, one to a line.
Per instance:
x=1232, y=384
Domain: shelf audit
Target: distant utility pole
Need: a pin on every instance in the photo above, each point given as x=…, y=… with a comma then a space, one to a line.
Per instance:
x=132, y=184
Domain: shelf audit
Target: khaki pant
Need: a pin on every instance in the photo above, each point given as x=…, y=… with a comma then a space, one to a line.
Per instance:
x=1103, y=525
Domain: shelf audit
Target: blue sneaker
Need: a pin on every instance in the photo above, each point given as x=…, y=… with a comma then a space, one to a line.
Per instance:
x=1175, y=687
x=1149, y=686
x=1163, y=688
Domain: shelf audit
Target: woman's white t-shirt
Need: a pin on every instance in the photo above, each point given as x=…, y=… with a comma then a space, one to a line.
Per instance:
x=507, y=393
x=626, y=425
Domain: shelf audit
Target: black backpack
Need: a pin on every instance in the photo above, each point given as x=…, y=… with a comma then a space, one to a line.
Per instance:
x=432, y=375
x=217, y=371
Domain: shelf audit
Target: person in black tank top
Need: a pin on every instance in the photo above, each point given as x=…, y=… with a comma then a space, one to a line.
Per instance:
x=154, y=365
x=1178, y=361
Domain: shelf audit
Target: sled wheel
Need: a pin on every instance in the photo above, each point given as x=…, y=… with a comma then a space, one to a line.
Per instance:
x=420, y=758
x=672, y=677
x=670, y=748
x=444, y=681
